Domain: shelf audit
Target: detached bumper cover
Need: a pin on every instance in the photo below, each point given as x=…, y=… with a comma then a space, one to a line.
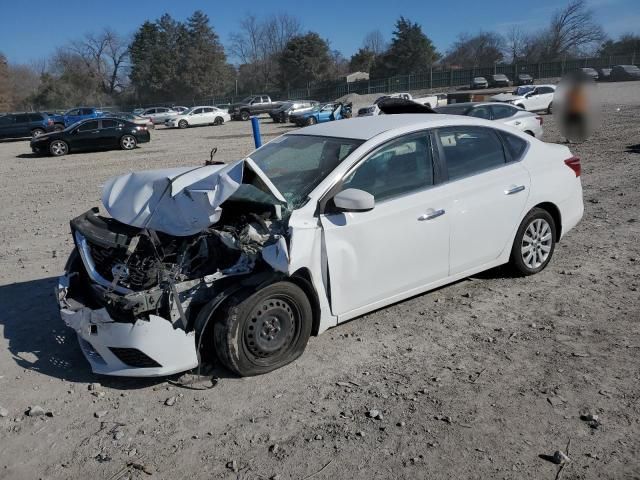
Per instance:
x=146, y=348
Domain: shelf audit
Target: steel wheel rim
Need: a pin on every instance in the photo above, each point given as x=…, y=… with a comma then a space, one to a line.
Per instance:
x=272, y=328
x=37, y=133
x=58, y=148
x=536, y=243
x=128, y=142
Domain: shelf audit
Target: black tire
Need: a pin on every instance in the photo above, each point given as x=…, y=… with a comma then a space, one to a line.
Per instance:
x=183, y=124
x=529, y=132
x=128, y=142
x=58, y=148
x=244, y=115
x=36, y=132
x=311, y=121
x=263, y=331
x=550, y=108
x=218, y=121
x=520, y=262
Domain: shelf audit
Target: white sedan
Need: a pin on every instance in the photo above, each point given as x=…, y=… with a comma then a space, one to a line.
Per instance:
x=540, y=98
x=318, y=226
x=205, y=115
x=528, y=122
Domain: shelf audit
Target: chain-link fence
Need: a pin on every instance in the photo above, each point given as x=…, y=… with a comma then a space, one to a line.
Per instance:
x=436, y=78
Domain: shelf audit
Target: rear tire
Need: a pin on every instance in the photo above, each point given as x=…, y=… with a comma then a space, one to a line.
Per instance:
x=58, y=148
x=264, y=331
x=529, y=132
x=550, y=108
x=128, y=142
x=36, y=132
x=218, y=121
x=534, y=244
x=244, y=115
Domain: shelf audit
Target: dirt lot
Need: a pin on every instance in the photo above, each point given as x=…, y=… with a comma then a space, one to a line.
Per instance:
x=474, y=380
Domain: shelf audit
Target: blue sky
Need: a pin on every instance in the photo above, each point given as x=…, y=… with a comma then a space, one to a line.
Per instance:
x=32, y=30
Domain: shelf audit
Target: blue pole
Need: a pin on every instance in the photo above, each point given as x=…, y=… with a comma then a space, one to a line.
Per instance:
x=255, y=125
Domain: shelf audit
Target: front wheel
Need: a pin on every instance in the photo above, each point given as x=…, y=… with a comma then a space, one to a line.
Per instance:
x=263, y=331
x=535, y=243
x=311, y=121
x=128, y=142
x=183, y=124
x=58, y=148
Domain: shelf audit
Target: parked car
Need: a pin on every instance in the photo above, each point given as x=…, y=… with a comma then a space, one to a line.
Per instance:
x=254, y=105
x=320, y=113
x=282, y=114
x=604, y=74
x=92, y=134
x=75, y=115
x=528, y=122
x=538, y=99
x=21, y=125
x=134, y=118
x=524, y=79
x=250, y=246
x=625, y=72
x=373, y=109
x=159, y=115
x=179, y=109
x=499, y=80
x=478, y=82
x=590, y=73
x=223, y=106
x=205, y=115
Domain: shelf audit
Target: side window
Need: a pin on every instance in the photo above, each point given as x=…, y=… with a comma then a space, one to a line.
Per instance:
x=402, y=166
x=208, y=110
x=502, y=111
x=109, y=124
x=542, y=90
x=75, y=111
x=515, y=145
x=151, y=111
x=470, y=150
x=35, y=117
x=198, y=111
x=265, y=99
x=87, y=111
x=88, y=126
x=7, y=120
x=481, y=112
x=22, y=118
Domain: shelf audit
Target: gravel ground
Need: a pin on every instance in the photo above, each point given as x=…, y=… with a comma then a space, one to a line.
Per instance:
x=475, y=380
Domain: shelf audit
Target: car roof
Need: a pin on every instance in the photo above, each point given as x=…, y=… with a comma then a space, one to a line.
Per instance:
x=365, y=128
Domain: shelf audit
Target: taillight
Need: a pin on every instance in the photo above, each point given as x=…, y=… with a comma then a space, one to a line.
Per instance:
x=49, y=122
x=574, y=164
x=540, y=119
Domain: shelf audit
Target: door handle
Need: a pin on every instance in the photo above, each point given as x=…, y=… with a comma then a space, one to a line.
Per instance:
x=513, y=190
x=431, y=214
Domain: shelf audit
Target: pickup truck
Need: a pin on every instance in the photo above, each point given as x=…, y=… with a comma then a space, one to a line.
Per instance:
x=75, y=115
x=254, y=105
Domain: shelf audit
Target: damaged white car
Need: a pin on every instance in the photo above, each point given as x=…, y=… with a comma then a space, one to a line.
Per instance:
x=316, y=227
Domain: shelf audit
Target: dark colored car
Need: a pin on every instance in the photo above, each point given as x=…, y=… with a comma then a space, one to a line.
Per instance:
x=20, y=125
x=590, y=73
x=75, y=115
x=604, y=74
x=92, y=134
x=625, y=72
x=524, y=79
x=499, y=80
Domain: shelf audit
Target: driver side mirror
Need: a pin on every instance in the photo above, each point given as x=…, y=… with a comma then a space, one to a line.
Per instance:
x=354, y=200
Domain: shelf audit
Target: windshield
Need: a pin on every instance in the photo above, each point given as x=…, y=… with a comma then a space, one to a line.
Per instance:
x=296, y=164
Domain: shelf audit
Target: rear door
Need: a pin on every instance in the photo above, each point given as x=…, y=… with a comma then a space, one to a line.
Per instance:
x=505, y=114
x=7, y=126
x=400, y=245
x=22, y=126
x=489, y=193
x=110, y=132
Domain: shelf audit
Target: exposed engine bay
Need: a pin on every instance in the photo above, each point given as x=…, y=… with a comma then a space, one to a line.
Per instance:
x=123, y=273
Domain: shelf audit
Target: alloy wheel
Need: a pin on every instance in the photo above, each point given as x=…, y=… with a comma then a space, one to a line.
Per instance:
x=58, y=148
x=536, y=243
x=128, y=142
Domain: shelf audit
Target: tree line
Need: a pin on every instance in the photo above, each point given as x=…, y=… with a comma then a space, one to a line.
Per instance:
x=167, y=59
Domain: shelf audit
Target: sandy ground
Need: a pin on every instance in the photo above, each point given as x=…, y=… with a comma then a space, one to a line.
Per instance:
x=474, y=380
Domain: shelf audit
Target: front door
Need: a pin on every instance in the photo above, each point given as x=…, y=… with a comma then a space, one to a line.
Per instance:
x=86, y=136
x=488, y=195
x=402, y=244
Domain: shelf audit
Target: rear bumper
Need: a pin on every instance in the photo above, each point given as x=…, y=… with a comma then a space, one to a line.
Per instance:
x=572, y=209
x=146, y=348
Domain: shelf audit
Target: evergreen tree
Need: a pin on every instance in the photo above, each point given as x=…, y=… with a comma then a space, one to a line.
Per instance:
x=362, y=60
x=306, y=58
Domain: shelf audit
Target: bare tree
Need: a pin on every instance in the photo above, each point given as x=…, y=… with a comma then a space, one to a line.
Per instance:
x=572, y=31
x=515, y=43
x=374, y=42
x=5, y=87
x=483, y=48
x=258, y=45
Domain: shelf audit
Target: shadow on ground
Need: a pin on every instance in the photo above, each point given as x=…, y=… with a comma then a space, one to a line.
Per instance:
x=38, y=340
x=633, y=148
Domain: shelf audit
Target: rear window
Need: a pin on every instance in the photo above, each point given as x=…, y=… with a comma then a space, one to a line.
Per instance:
x=516, y=146
x=109, y=124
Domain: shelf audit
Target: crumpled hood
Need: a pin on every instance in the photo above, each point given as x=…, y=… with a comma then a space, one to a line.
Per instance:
x=506, y=97
x=177, y=201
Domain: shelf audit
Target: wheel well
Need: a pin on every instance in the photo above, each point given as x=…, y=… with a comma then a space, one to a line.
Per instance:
x=302, y=278
x=555, y=214
x=529, y=132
